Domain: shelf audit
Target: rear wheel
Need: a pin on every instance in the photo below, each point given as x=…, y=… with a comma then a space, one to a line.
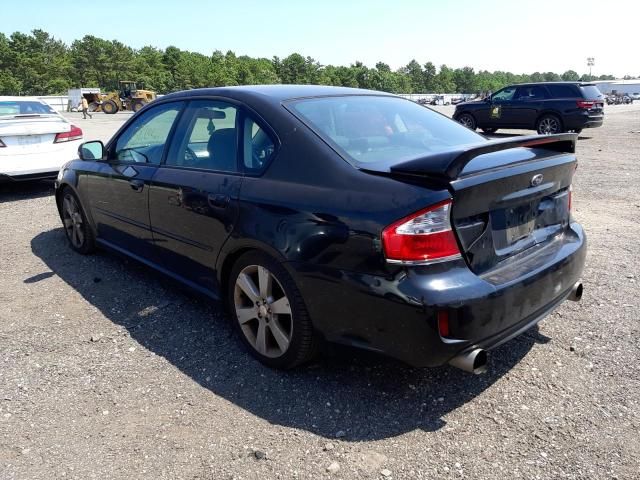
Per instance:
x=489, y=130
x=76, y=227
x=137, y=105
x=269, y=313
x=548, y=125
x=467, y=120
x=109, y=107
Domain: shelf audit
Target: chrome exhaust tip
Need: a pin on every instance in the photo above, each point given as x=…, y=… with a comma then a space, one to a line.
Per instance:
x=576, y=292
x=473, y=361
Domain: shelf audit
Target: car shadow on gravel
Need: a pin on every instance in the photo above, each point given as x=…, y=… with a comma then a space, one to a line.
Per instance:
x=13, y=192
x=349, y=394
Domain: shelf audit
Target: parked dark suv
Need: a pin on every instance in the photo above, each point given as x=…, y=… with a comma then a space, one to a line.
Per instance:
x=552, y=107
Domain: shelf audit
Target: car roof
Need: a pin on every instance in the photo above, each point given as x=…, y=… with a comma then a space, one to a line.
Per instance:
x=274, y=93
x=580, y=84
x=9, y=98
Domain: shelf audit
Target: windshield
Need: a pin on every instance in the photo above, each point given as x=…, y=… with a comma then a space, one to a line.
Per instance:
x=367, y=128
x=26, y=107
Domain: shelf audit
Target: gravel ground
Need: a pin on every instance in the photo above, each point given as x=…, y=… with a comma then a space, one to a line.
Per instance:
x=110, y=371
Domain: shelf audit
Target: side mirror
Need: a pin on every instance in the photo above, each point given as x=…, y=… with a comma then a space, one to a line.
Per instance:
x=93, y=150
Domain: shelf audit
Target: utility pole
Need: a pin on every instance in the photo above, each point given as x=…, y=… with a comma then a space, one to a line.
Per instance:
x=591, y=61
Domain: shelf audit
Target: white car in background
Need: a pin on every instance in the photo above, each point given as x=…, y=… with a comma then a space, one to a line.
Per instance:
x=35, y=140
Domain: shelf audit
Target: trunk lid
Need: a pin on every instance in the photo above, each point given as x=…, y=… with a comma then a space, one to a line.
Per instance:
x=508, y=195
x=25, y=134
x=502, y=212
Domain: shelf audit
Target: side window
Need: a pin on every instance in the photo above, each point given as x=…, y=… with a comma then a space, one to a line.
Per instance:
x=504, y=95
x=563, y=91
x=207, y=137
x=534, y=92
x=257, y=146
x=144, y=140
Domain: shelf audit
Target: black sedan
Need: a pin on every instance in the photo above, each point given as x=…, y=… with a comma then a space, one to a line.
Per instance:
x=333, y=214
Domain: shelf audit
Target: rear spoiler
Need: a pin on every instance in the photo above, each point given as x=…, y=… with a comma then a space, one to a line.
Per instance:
x=449, y=164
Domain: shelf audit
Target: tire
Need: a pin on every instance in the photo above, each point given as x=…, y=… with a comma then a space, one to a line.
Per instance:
x=489, y=130
x=109, y=107
x=76, y=227
x=288, y=337
x=137, y=105
x=467, y=120
x=549, y=124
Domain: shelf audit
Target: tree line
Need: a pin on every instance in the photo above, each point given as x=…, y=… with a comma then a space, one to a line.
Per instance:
x=39, y=64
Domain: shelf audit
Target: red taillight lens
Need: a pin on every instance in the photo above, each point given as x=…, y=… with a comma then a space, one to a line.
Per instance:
x=586, y=104
x=570, y=195
x=74, y=134
x=421, y=238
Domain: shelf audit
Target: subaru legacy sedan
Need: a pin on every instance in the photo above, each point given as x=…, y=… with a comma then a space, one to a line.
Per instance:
x=334, y=214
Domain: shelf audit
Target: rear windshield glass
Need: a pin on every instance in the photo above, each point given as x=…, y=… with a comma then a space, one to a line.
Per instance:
x=24, y=108
x=591, y=92
x=371, y=128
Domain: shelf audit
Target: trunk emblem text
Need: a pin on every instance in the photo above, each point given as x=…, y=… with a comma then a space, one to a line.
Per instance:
x=536, y=180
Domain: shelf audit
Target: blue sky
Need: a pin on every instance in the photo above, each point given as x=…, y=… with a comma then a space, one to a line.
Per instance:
x=519, y=36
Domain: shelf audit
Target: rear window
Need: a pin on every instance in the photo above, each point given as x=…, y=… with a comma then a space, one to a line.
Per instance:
x=368, y=128
x=590, y=92
x=24, y=108
x=563, y=91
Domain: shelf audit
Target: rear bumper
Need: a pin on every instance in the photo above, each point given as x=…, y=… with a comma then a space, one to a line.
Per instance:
x=4, y=178
x=583, y=120
x=397, y=316
x=47, y=161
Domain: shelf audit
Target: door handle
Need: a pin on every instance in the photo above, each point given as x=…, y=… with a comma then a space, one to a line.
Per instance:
x=136, y=185
x=218, y=200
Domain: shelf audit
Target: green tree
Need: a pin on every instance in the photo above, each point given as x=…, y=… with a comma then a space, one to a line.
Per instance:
x=570, y=76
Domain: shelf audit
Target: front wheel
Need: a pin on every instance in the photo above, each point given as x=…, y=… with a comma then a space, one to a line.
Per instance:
x=549, y=125
x=467, y=120
x=76, y=227
x=110, y=107
x=269, y=313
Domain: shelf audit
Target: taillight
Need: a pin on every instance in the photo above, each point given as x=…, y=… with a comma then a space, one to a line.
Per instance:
x=74, y=134
x=586, y=104
x=421, y=238
x=570, y=195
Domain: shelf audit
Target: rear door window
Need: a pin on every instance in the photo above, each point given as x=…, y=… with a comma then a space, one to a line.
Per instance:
x=532, y=93
x=206, y=138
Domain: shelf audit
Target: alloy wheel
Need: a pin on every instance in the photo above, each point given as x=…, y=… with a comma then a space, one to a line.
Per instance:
x=468, y=121
x=548, y=126
x=263, y=311
x=72, y=220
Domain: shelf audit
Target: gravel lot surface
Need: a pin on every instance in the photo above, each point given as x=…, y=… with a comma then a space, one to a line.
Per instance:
x=109, y=371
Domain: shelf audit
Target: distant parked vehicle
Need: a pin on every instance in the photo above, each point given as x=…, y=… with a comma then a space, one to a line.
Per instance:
x=35, y=140
x=551, y=107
